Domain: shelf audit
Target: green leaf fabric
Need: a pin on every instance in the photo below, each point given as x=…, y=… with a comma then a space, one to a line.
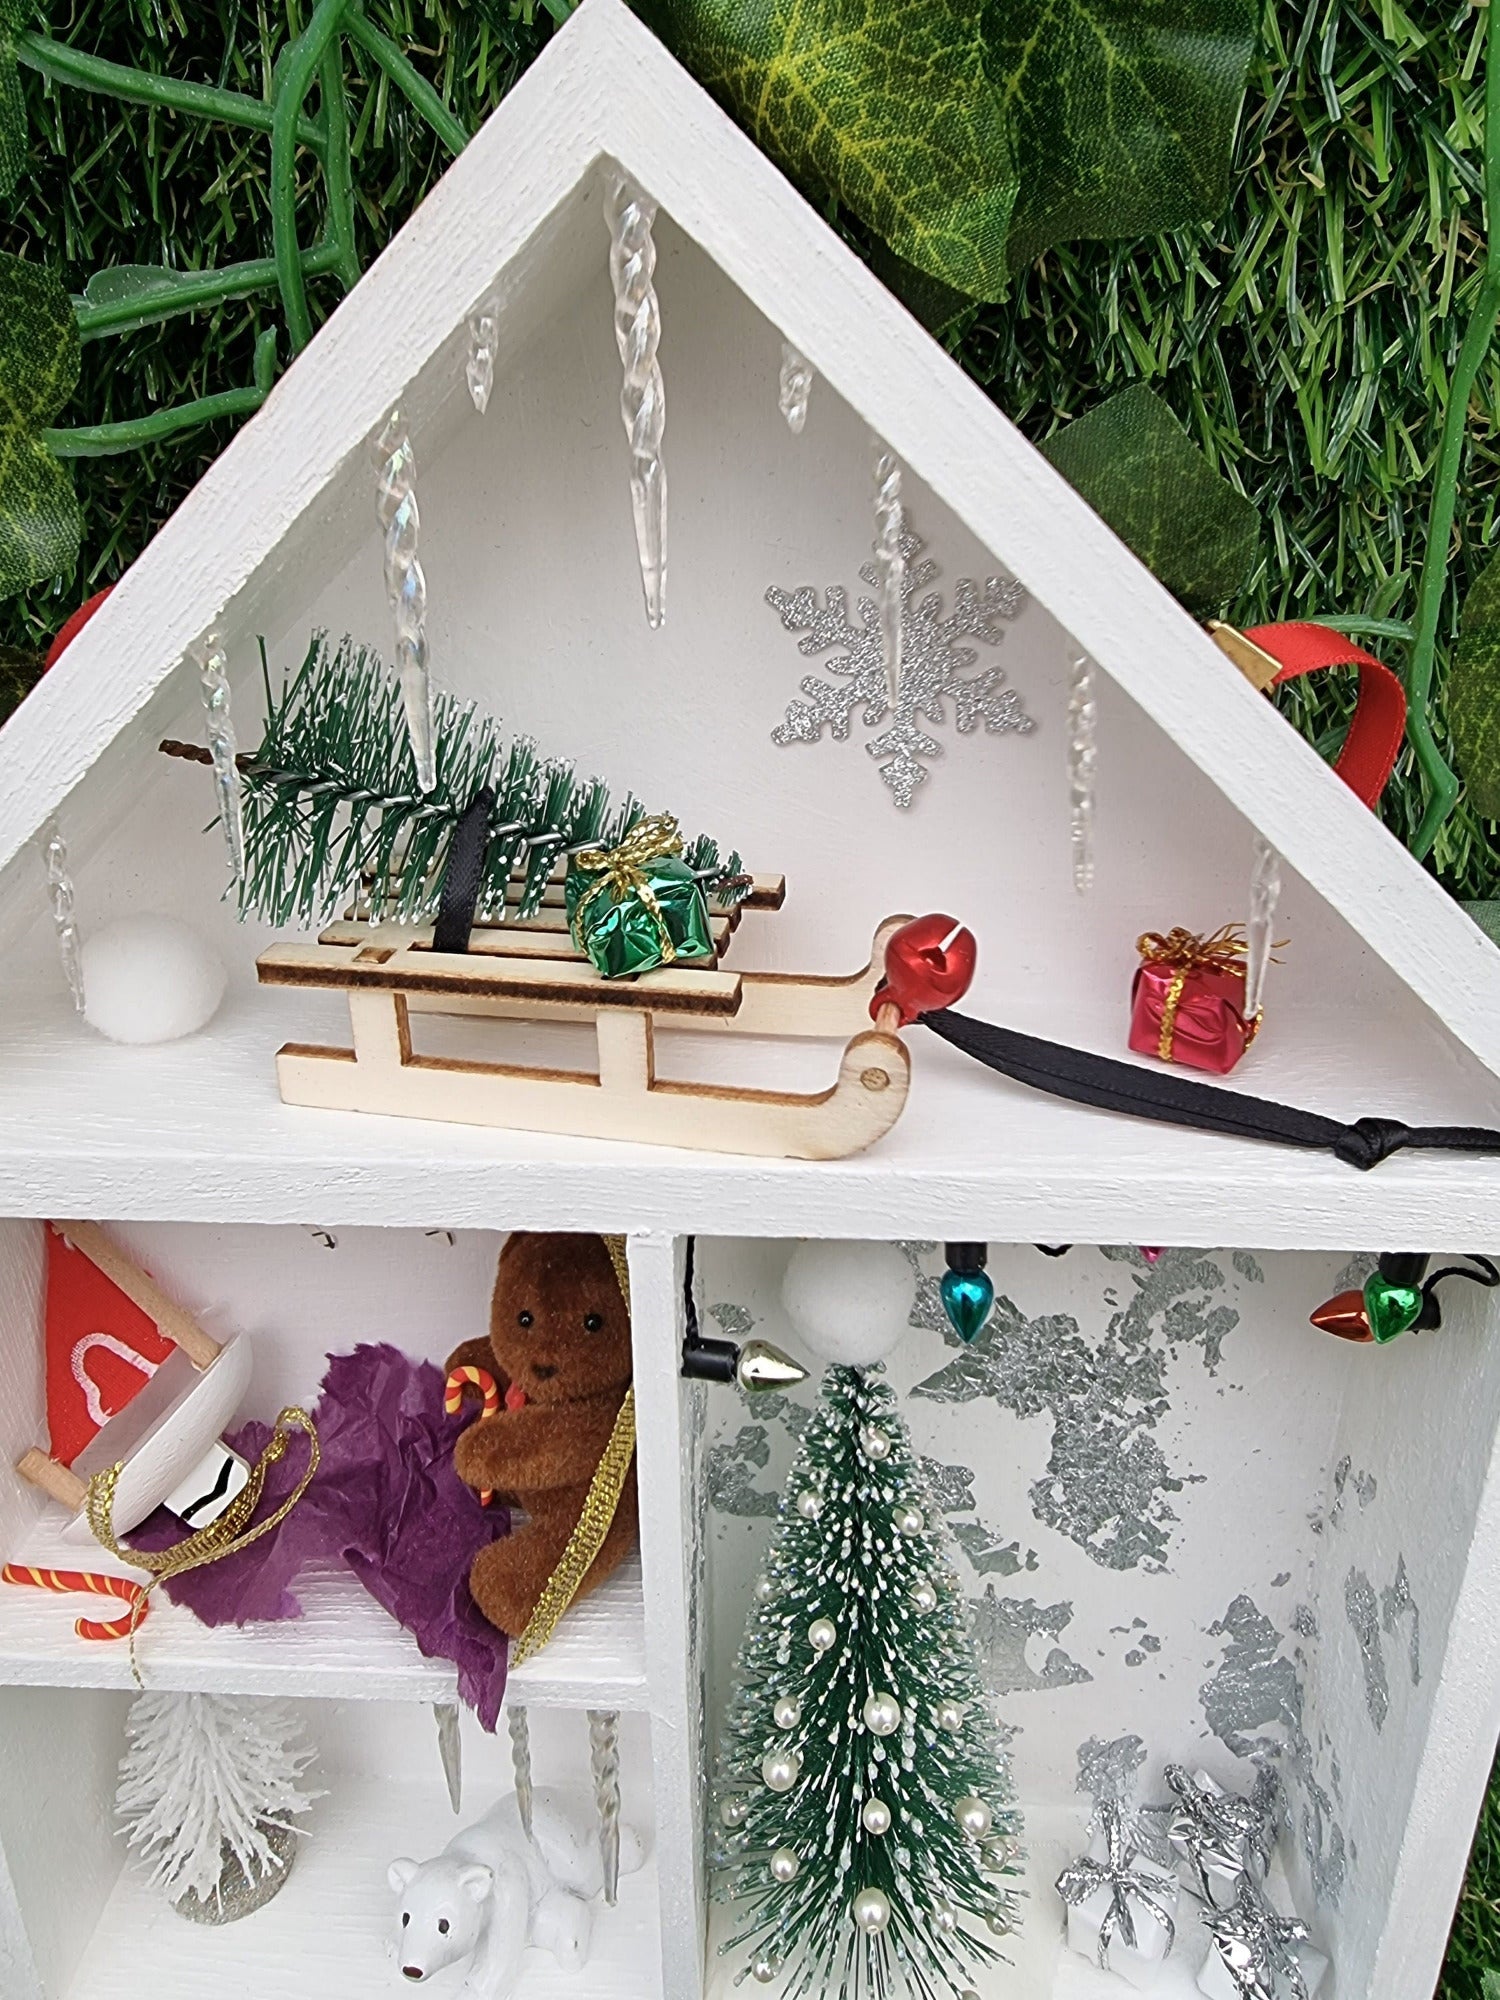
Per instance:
x=1138, y=468
x=39, y=353
x=1122, y=112
x=886, y=104
x=971, y=134
x=1487, y=916
x=1474, y=692
x=14, y=16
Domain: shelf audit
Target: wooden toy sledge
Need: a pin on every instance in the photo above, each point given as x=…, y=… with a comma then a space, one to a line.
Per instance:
x=532, y=971
x=179, y=1462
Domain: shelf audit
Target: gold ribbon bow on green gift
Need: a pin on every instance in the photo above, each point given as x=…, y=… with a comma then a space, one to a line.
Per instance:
x=623, y=869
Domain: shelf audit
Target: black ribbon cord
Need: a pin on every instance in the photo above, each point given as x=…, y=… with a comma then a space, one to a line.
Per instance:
x=1179, y=1100
x=463, y=874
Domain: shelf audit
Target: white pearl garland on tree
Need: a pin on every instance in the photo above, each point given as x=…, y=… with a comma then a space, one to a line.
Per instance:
x=781, y=1769
x=821, y=1634
x=882, y=1714
x=872, y=1910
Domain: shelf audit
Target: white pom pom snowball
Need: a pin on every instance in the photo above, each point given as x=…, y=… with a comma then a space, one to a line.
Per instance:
x=149, y=978
x=850, y=1302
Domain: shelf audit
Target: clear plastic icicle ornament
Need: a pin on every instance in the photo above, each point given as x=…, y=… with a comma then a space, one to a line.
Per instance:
x=406, y=587
x=1265, y=893
x=890, y=561
x=643, y=405
x=797, y=377
x=604, y=1761
x=213, y=684
x=1083, y=723
x=519, y=1724
x=60, y=897
x=479, y=369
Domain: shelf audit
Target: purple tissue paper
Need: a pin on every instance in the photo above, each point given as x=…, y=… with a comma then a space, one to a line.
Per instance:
x=386, y=1503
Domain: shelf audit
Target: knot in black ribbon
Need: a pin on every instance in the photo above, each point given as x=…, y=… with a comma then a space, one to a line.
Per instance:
x=1368, y=1141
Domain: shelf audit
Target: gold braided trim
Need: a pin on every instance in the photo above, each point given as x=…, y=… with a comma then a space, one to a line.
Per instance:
x=587, y=1537
x=230, y=1532
x=599, y=1504
x=619, y=1257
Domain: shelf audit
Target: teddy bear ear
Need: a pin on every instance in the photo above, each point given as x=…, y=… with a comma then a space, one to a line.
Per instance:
x=401, y=1874
x=476, y=1881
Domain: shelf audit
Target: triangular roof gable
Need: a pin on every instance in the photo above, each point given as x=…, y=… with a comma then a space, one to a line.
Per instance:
x=607, y=87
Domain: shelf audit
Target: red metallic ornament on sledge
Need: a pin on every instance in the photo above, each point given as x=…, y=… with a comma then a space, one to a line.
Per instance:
x=929, y=963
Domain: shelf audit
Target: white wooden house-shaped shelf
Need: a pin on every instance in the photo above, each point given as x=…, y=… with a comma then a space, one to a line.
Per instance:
x=1292, y=1476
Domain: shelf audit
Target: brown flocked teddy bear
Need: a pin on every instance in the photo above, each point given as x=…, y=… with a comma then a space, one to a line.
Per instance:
x=560, y=1339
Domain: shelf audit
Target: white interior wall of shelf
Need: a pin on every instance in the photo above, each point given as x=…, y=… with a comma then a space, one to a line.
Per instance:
x=535, y=613
x=1185, y=1516
x=1405, y=1606
x=58, y=1755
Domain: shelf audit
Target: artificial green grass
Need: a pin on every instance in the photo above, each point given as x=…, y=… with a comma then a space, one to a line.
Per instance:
x=1306, y=338
x=1471, y=1971
x=118, y=184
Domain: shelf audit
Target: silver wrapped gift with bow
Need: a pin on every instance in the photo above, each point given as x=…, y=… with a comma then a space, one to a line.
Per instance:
x=1256, y=1954
x=1121, y=1910
x=1221, y=1838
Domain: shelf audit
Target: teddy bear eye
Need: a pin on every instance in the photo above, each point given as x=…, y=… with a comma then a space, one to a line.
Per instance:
x=405, y=1918
x=443, y=1925
x=523, y=1319
x=593, y=1322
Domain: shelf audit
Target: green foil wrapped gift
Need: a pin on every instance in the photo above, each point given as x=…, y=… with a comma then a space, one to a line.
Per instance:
x=638, y=905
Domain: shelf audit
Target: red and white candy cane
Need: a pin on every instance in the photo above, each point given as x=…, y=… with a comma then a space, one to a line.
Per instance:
x=122, y=1588
x=470, y=1377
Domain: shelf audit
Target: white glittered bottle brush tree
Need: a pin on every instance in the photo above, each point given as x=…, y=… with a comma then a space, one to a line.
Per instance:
x=210, y=1789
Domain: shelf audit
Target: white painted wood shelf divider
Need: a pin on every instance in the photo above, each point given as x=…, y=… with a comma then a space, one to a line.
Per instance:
x=345, y=1646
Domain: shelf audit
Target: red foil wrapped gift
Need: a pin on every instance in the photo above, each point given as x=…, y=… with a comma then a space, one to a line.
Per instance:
x=1187, y=1002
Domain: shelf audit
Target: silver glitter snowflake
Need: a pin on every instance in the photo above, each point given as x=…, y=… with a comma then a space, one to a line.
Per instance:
x=936, y=667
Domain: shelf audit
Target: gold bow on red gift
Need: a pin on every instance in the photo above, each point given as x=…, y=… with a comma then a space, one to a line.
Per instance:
x=1183, y=953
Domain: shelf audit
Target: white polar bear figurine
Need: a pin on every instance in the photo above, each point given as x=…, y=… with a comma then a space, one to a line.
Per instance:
x=491, y=1892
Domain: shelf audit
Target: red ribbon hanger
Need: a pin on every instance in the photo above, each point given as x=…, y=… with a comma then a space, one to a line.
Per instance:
x=1375, y=735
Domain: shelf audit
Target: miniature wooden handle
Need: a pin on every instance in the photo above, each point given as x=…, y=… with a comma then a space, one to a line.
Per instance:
x=174, y=1322
x=53, y=1479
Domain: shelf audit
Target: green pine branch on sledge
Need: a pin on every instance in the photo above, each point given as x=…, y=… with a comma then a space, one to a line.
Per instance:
x=333, y=812
x=794, y=1860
